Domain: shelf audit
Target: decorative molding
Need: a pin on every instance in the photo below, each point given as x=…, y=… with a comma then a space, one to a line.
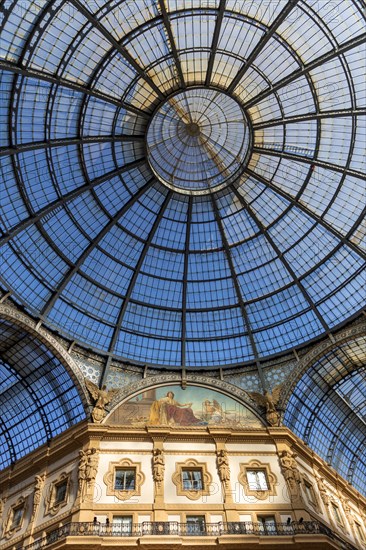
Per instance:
x=110, y=476
x=158, y=466
x=52, y=507
x=271, y=479
x=223, y=467
x=192, y=464
x=290, y=471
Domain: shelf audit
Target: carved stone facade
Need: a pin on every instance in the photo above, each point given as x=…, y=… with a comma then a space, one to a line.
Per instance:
x=140, y=484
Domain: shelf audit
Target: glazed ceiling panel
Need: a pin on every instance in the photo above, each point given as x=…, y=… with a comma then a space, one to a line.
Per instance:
x=328, y=410
x=181, y=180
x=38, y=398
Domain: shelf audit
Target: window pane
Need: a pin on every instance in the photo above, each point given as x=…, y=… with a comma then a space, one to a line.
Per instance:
x=122, y=524
x=257, y=480
x=60, y=492
x=196, y=524
x=336, y=514
x=17, y=516
x=267, y=523
x=125, y=480
x=192, y=480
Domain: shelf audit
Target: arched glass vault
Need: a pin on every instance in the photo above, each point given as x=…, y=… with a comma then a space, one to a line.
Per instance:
x=38, y=397
x=328, y=410
x=98, y=246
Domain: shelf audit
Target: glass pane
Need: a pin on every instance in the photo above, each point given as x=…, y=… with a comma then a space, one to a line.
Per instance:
x=60, y=492
x=257, y=480
x=267, y=524
x=122, y=525
x=17, y=516
x=125, y=480
x=192, y=480
x=196, y=524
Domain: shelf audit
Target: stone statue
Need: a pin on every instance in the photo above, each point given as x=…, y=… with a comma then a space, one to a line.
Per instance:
x=82, y=480
x=223, y=466
x=158, y=466
x=269, y=401
x=101, y=397
x=37, y=494
x=323, y=491
x=290, y=470
x=87, y=470
x=92, y=464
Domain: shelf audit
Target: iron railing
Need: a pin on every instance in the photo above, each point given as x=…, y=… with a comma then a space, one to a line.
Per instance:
x=161, y=528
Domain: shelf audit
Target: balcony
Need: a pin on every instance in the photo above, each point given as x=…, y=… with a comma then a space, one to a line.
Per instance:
x=175, y=529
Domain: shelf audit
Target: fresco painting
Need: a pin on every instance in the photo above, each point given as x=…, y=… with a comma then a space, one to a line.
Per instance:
x=173, y=406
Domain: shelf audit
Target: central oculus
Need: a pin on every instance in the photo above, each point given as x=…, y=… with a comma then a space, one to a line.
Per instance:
x=198, y=141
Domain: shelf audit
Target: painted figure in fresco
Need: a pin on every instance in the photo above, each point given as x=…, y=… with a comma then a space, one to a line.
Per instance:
x=212, y=411
x=167, y=411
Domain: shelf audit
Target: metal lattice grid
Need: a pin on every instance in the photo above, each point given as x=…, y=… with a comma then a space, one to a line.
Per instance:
x=95, y=246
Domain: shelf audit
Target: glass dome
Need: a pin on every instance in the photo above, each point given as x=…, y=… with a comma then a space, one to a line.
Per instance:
x=219, y=239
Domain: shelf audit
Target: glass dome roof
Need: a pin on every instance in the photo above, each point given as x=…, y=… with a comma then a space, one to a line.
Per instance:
x=215, y=240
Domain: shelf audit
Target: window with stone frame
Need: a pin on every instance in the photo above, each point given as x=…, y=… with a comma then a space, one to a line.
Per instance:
x=124, y=479
x=58, y=494
x=360, y=532
x=17, y=516
x=192, y=479
x=257, y=479
x=310, y=493
x=337, y=514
